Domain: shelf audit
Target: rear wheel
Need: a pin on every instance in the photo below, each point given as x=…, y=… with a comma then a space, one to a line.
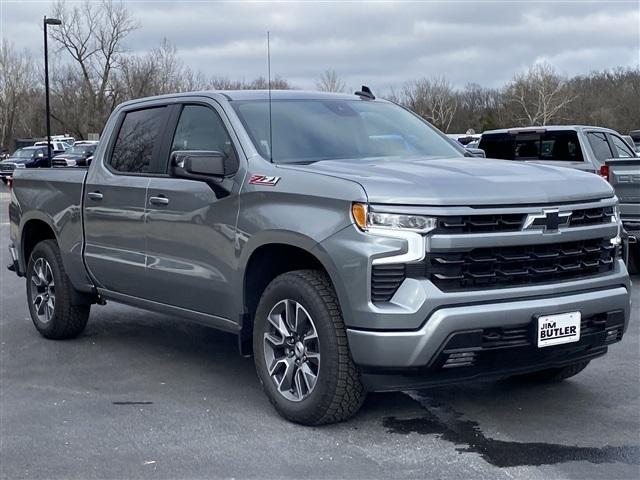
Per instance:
x=553, y=374
x=301, y=352
x=49, y=292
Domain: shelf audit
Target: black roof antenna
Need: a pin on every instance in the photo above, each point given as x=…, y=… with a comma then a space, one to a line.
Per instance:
x=269, y=87
x=365, y=92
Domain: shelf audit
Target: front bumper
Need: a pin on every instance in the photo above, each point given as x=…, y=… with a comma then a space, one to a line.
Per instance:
x=419, y=348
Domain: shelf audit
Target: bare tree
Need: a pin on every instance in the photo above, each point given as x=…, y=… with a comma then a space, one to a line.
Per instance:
x=330, y=82
x=539, y=95
x=93, y=33
x=259, y=83
x=158, y=72
x=433, y=99
x=17, y=85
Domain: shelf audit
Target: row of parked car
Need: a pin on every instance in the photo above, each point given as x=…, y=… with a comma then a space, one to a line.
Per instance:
x=64, y=153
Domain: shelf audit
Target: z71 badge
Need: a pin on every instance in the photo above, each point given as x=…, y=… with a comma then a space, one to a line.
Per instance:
x=264, y=180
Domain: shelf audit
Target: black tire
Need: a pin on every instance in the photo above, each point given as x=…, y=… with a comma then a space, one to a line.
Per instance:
x=553, y=374
x=67, y=320
x=338, y=392
x=634, y=259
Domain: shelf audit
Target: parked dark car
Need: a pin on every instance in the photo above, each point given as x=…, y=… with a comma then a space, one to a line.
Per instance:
x=76, y=156
x=27, y=157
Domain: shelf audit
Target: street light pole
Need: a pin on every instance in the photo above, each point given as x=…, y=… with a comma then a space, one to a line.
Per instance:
x=48, y=21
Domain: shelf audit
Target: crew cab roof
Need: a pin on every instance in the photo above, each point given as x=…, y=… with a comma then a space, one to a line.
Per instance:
x=239, y=95
x=284, y=95
x=547, y=128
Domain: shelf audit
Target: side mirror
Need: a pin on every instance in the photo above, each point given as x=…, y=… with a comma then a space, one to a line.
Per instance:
x=208, y=166
x=196, y=164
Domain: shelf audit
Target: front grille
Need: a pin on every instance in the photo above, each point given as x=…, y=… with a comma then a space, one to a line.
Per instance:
x=522, y=265
x=481, y=223
x=7, y=167
x=499, y=267
x=591, y=216
x=513, y=222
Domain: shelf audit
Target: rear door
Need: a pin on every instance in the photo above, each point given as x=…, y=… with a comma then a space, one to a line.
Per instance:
x=115, y=198
x=191, y=231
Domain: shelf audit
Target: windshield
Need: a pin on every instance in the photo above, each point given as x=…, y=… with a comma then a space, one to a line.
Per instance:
x=329, y=129
x=22, y=153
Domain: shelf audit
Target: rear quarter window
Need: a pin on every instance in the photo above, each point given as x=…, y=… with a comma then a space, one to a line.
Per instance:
x=544, y=146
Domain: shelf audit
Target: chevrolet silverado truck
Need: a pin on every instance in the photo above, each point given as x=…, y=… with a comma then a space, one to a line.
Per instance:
x=591, y=149
x=347, y=244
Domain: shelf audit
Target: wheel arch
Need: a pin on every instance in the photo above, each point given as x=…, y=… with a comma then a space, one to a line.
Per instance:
x=34, y=230
x=268, y=260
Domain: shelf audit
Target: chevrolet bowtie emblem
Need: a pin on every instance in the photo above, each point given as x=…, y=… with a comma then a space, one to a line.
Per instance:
x=548, y=220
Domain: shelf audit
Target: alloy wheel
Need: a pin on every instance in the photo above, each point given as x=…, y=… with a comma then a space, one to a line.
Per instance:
x=43, y=290
x=292, y=350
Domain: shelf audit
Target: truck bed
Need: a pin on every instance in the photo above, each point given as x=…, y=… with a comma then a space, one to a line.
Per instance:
x=53, y=196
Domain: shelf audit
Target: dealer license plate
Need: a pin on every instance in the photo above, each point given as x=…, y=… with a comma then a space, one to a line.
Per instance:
x=558, y=329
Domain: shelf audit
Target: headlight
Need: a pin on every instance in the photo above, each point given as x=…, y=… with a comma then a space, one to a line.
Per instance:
x=391, y=221
x=20, y=165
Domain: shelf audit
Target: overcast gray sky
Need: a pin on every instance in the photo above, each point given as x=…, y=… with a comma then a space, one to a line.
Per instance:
x=380, y=44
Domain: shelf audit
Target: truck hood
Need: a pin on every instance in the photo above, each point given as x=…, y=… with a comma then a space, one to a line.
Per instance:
x=463, y=181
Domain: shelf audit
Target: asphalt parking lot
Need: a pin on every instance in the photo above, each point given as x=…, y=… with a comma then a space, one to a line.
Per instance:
x=143, y=395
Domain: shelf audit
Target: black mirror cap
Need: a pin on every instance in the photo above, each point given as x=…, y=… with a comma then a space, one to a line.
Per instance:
x=202, y=163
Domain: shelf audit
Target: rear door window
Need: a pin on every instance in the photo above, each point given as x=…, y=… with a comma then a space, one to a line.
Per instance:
x=621, y=147
x=546, y=146
x=138, y=141
x=600, y=146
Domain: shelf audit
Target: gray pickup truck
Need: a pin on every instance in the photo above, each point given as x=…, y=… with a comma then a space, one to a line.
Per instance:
x=346, y=242
x=590, y=149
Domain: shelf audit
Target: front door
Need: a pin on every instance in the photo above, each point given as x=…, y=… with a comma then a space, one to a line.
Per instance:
x=115, y=198
x=191, y=229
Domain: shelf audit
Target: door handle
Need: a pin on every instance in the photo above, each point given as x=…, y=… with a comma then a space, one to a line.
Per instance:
x=159, y=200
x=95, y=195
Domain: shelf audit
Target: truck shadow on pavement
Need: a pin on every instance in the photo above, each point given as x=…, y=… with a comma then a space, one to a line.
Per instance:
x=440, y=419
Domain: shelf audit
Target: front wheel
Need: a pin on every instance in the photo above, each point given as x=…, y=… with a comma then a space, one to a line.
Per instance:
x=301, y=353
x=49, y=292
